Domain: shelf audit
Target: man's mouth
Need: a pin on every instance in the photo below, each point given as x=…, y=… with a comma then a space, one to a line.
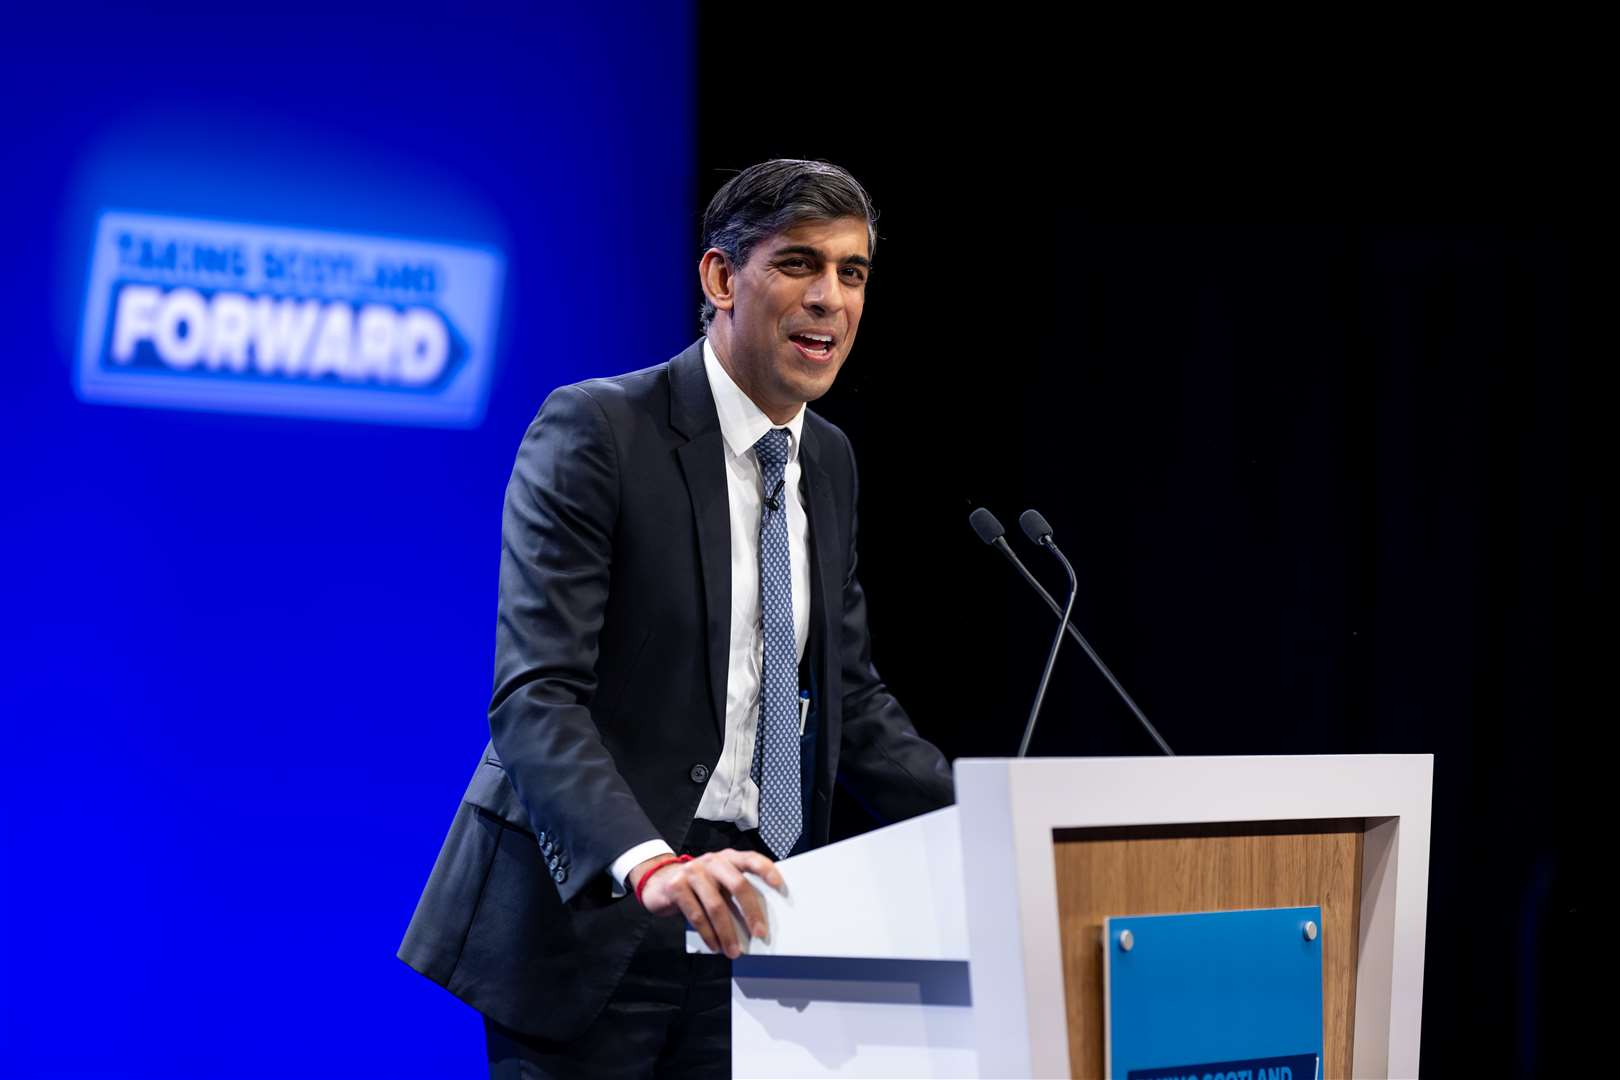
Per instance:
x=815, y=346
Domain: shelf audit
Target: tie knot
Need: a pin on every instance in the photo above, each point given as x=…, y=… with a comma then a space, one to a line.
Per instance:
x=772, y=449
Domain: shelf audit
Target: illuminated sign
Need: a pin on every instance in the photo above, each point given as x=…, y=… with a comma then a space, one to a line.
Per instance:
x=192, y=314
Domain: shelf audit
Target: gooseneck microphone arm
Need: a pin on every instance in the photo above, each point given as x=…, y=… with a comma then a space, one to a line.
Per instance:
x=1040, y=533
x=990, y=531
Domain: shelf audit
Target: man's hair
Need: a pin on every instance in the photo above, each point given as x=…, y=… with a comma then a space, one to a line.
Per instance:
x=774, y=195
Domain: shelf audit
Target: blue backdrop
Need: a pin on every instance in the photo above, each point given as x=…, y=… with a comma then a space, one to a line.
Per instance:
x=246, y=657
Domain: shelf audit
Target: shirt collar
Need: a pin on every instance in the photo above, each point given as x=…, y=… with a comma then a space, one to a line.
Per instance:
x=742, y=423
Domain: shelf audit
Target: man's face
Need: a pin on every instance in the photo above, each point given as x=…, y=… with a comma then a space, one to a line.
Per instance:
x=794, y=308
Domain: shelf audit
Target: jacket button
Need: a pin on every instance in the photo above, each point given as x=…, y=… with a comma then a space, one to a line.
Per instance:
x=699, y=773
x=542, y=836
x=559, y=875
x=547, y=847
x=553, y=862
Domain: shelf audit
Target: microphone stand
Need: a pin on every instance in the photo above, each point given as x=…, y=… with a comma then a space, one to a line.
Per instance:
x=1057, y=640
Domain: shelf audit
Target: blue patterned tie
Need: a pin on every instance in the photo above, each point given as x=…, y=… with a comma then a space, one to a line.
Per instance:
x=776, y=743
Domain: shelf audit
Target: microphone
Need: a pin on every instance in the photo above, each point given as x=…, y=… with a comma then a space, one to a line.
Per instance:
x=1040, y=534
x=1036, y=528
x=990, y=531
x=774, y=499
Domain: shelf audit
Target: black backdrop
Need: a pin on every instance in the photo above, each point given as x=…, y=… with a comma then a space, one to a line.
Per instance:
x=1330, y=488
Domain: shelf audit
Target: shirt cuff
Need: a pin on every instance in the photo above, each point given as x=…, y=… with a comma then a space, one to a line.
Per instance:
x=632, y=859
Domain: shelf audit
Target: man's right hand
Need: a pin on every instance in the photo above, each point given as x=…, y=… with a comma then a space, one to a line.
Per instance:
x=704, y=891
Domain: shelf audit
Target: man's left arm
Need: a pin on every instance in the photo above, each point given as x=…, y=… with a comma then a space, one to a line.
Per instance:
x=892, y=769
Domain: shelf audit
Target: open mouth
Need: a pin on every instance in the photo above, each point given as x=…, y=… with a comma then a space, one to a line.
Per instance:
x=815, y=346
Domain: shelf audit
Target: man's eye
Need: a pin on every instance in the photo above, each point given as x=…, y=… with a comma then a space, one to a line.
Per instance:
x=795, y=263
x=854, y=273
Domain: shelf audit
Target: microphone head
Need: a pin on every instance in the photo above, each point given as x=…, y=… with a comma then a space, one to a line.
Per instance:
x=1035, y=527
x=985, y=524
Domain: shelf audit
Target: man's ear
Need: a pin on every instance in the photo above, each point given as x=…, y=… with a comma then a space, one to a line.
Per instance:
x=719, y=283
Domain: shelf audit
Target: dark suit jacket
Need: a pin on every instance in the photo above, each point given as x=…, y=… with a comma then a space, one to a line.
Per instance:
x=610, y=679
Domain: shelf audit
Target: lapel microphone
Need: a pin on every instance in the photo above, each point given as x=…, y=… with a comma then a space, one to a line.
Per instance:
x=774, y=499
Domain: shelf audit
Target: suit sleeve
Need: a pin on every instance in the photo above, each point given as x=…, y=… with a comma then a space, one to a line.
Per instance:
x=894, y=771
x=556, y=565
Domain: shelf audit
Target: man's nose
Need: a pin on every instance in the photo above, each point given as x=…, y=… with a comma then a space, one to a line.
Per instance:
x=824, y=294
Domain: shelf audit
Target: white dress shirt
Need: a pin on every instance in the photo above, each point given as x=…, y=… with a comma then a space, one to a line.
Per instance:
x=731, y=794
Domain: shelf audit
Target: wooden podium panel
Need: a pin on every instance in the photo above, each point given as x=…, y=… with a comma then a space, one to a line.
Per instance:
x=1177, y=869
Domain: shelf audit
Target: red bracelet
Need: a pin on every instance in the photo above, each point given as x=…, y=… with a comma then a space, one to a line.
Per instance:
x=642, y=884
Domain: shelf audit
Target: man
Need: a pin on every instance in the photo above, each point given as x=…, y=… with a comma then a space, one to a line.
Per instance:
x=682, y=662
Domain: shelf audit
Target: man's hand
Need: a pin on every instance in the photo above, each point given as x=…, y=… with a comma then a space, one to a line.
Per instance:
x=704, y=889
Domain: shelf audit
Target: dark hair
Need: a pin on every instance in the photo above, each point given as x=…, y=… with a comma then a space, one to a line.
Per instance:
x=766, y=198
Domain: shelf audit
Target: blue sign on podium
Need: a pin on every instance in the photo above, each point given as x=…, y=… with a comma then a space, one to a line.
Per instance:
x=1226, y=995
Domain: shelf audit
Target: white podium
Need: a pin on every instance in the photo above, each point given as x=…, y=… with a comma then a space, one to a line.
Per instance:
x=966, y=942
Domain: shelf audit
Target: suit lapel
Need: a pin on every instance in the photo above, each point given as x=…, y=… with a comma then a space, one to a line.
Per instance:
x=826, y=583
x=692, y=414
